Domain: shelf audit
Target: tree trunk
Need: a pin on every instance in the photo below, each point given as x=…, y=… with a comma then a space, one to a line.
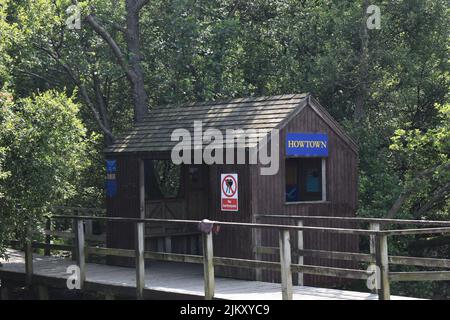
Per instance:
x=131, y=63
x=138, y=93
x=362, y=93
x=102, y=108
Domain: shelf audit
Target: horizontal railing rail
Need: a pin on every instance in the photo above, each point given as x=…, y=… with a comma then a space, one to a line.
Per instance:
x=79, y=209
x=358, y=219
x=440, y=230
x=378, y=251
x=226, y=223
x=378, y=248
x=362, y=257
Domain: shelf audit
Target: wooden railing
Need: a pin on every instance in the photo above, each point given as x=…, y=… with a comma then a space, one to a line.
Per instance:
x=378, y=251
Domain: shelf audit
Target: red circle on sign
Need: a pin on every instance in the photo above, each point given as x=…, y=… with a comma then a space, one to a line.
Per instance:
x=231, y=189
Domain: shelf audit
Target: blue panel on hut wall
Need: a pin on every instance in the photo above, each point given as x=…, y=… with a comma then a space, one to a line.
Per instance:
x=111, y=166
x=111, y=182
x=111, y=188
x=307, y=144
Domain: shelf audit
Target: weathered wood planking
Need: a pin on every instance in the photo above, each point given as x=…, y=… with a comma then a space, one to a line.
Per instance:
x=125, y=204
x=165, y=281
x=257, y=194
x=341, y=175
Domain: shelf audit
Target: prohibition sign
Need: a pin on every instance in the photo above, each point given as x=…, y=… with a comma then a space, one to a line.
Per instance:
x=229, y=186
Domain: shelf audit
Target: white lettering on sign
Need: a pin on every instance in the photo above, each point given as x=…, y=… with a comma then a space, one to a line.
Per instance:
x=229, y=192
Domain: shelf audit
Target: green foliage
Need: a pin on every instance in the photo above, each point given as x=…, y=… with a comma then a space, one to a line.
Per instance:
x=44, y=148
x=419, y=150
x=194, y=50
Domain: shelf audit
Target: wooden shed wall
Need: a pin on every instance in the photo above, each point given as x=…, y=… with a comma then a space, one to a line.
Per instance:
x=231, y=242
x=124, y=204
x=257, y=195
x=341, y=175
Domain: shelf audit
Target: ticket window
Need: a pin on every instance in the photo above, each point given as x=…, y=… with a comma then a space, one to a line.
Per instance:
x=305, y=179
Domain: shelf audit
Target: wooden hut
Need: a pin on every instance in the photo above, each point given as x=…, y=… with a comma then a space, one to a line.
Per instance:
x=317, y=176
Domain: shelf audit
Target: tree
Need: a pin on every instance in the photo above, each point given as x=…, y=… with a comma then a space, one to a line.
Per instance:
x=383, y=84
x=44, y=151
x=46, y=53
x=131, y=67
x=425, y=155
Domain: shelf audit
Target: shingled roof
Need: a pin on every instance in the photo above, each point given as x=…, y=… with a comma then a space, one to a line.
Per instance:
x=154, y=132
x=259, y=113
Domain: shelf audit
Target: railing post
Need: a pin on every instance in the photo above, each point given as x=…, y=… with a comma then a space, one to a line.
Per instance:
x=81, y=260
x=285, y=262
x=140, y=261
x=4, y=290
x=373, y=249
x=74, y=228
x=42, y=292
x=300, y=246
x=382, y=267
x=193, y=245
x=376, y=227
x=88, y=227
x=257, y=234
x=28, y=257
x=208, y=265
x=168, y=244
x=199, y=240
x=48, y=238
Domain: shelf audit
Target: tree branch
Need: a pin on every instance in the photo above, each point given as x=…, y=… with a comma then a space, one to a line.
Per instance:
x=437, y=195
x=32, y=74
x=131, y=63
x=113, y=45
x=233, y=8
x=101, y=104
x=140, y=4
x=83, y=91
x=407, y=191
x=119, y=27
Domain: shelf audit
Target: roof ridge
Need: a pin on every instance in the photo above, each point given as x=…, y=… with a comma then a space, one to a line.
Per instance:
x=233, y=100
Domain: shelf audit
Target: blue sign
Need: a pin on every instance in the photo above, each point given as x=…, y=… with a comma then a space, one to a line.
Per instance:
x=111, y=188
x=111, y=166
x=307, y=144
x=111, y=182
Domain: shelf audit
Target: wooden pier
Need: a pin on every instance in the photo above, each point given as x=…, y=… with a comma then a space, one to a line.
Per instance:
x=163, y=275
x=163, y=280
